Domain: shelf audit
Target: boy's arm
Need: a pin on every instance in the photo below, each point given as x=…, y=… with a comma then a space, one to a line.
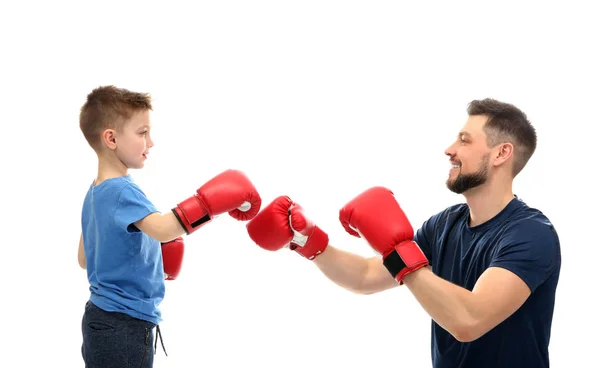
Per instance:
x=229, y=192
x=162, y=227
x=81, y=253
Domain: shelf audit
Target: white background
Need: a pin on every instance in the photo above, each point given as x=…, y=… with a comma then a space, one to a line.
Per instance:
x=315, y=99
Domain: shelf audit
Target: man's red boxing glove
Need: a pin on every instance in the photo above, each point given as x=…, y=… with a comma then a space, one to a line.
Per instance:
x=230, y=191
x=282, y=223
x=309, y=240
x=376, y=216
x=172, y=253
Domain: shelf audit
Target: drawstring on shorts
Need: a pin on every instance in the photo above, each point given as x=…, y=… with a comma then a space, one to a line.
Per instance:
x=159, y=336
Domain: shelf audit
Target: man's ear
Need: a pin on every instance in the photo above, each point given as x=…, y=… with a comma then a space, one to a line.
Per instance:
x=503, y=153
x=109, y=138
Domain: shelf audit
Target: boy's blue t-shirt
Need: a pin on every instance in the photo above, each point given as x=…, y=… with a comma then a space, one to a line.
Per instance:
x=124, y=265
x=520, y=239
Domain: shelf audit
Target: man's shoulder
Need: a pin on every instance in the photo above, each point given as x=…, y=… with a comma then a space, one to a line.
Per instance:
x=445, y=217
x=526, y=217
x=531, y=227
x=452, y=211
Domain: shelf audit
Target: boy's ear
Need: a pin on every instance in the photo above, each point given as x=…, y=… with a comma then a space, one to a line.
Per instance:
x=109, y=139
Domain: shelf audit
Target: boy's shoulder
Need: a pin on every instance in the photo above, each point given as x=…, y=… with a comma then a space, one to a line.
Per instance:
x=115, y=190
x=115, y=185
x=118, y=199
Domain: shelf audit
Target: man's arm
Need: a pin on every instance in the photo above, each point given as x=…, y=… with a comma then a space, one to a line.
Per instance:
x=81, y=253
x=468, y=315
x=353, y=272
x=282, y=223
x=528, y=252
x=163, y=228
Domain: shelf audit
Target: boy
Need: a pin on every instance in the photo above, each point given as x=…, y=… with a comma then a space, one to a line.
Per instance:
x=122, y=230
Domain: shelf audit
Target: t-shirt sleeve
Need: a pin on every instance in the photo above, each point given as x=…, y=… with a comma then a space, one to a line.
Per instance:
x=425, y=236
x=133, y=206
x=531, y=250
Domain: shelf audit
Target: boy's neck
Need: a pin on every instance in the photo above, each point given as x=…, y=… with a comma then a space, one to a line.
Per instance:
x=108, y=168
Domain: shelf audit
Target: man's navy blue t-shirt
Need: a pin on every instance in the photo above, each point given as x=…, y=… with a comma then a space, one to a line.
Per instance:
x=520, y=239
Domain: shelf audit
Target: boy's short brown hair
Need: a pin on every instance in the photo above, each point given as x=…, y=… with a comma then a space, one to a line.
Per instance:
x=109, y=107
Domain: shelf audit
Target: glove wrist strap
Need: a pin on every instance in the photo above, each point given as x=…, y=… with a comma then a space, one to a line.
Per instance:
x=404, y=259
x=192, y=214
x=316, y=244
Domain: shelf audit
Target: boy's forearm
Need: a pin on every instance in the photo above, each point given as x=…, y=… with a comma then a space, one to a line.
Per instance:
x=162, y=227
x=81, y=253
x=171, y=227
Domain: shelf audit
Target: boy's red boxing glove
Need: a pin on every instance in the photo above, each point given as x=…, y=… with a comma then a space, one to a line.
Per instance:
x=231, y=192
x=172, y=253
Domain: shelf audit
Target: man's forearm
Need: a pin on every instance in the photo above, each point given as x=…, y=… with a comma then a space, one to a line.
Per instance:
x=343, y=268
x=353, y=272
x=449, y=305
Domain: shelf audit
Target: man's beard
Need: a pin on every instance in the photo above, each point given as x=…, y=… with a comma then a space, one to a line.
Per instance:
x=464, y=182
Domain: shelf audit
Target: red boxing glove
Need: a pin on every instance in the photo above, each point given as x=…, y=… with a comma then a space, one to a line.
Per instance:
x=230, y=191
x=283, y=223
x=172, y=253
x=376, y=216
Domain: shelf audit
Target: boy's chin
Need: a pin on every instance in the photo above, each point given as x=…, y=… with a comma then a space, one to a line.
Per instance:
x=136, y=166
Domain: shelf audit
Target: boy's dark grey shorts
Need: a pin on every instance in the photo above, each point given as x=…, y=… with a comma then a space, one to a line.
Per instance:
x=112, y=339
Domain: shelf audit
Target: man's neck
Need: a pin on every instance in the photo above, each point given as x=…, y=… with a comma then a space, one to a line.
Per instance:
x=108, y=168
x=487, y=201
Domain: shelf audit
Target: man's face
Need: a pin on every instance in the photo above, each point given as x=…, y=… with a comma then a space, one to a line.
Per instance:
x=469, y=157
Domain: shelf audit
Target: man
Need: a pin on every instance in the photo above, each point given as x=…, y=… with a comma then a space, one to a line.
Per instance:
x=486, y=271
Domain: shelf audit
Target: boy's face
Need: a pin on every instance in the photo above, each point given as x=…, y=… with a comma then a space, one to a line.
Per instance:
x=133, y=142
